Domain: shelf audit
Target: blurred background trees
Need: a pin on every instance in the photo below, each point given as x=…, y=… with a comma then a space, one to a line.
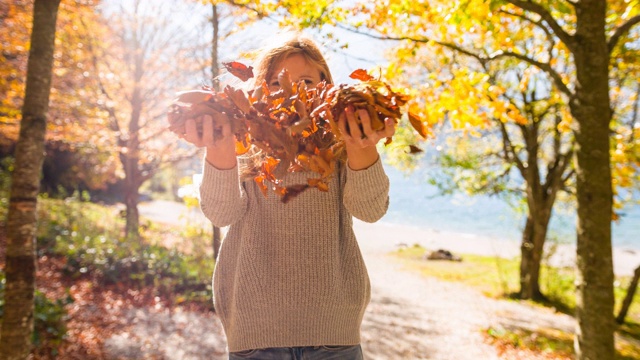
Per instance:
x=530, y=101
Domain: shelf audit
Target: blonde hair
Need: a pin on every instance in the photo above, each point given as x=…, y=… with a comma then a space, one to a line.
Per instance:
x=288, y=44
x=267, y=61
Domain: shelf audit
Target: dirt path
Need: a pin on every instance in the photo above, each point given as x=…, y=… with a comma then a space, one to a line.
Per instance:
x=409, y=317
x=412, y=317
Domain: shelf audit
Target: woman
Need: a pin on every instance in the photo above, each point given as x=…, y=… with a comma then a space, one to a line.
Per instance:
x=290, y=281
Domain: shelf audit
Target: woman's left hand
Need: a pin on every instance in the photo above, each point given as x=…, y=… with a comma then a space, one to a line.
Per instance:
x=361, y=144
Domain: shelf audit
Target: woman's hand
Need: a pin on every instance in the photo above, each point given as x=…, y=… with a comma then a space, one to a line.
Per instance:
x=216, y=137
x=361, y=144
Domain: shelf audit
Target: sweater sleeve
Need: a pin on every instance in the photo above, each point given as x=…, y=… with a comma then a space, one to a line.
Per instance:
x=366, y=192
x=222, y=197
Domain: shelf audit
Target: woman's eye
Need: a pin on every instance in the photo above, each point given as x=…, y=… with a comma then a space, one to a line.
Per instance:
x=274, y=84
x=308, y=82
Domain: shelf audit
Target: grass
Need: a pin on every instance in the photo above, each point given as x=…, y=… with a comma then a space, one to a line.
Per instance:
x=557, y=344
x=91, y=238
x=499, y=278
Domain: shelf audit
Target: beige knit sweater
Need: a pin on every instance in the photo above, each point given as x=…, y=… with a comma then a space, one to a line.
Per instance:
x=292, y=274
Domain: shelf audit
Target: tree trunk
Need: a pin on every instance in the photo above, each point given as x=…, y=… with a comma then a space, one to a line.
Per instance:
x=591, y=108
x=131, y=157
x=215, y=71
x=132, y=220
x=540, y=200
x=17, y=323
x=533, y=240
x=215, y=68
x=631, y=291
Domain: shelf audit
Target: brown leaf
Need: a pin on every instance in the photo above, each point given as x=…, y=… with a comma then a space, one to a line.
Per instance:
x=193, y=97
x=293, y=191
x=239, y=70
x=414, y=149
x=238, y=98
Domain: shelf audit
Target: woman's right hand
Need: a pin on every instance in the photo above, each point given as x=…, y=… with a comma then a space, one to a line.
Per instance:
x=216, y=137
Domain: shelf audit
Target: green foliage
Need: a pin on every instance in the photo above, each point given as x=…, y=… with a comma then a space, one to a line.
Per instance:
x=89, y=236
x=493, y=276
x=6, y=168
x=50, y=317
x=50, y=326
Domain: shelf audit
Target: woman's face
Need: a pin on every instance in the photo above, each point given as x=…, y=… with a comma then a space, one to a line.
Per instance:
x=299, y=69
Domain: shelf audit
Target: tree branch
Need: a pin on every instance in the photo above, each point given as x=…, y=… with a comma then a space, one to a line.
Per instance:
x=557, y=79
x=509, y=151
x=621, y=30
x=564, y=36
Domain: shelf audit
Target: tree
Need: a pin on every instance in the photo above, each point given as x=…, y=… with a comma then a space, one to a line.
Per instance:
x=17, y=323
x=78, y=156
x=577, y=39
x=523, y=130
x=215, y=72
x=242, y=14
x=144, y=58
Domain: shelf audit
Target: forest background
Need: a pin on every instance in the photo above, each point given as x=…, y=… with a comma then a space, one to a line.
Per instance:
x=535, y=103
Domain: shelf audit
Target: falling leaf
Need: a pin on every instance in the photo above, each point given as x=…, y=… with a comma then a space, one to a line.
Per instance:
x=361, y=74
x=414, y=149
x=239, y=70
x=418, y=124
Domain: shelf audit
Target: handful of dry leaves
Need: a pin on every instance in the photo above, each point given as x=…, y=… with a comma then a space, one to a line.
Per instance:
x=295, y=127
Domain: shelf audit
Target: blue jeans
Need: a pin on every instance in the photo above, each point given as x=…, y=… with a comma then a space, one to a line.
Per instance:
x=353, y=352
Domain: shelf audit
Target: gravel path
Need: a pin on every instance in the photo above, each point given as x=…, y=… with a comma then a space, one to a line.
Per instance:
x=409, y=317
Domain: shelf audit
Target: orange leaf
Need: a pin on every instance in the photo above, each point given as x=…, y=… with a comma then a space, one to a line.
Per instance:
x=319, y=184
x=361, y=74
x=243, y=145
x=260, y=182
x=239, y=70
x=417, y=124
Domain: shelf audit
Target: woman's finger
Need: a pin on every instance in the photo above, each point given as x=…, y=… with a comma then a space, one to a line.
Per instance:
x=342, y=125
x=226, y=126
x=191, y=132
x=371, y=137
x=207, y=130
x=389, y=127
x=365, y=120
x=354, y=129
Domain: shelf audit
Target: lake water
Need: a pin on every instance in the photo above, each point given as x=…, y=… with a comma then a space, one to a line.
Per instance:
x=415, y=202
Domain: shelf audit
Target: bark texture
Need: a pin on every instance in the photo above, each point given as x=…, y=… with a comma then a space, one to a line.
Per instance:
x=591, y=108
x=17, y=324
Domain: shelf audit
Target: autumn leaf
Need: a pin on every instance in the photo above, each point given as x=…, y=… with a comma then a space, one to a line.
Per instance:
x=239, y=70
x=414, y=149
x=418, y=124
x=361, y=74
x=294, y=127
x=193, y=96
